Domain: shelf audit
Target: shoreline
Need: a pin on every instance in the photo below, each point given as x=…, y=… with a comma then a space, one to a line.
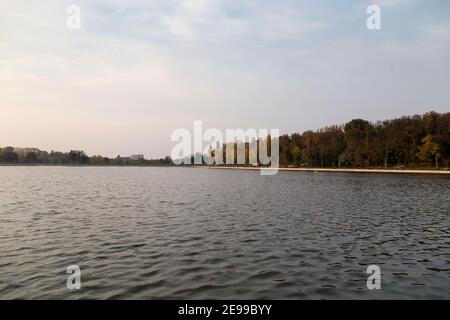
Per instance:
x=81, y=165
x=404, y=171
x=342, y=170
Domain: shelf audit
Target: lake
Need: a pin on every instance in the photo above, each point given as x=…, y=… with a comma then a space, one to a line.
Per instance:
x=186, y=233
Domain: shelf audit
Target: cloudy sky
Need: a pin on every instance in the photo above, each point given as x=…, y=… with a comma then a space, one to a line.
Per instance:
x=138, y=69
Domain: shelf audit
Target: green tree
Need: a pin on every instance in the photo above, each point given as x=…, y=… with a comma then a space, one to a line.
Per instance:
x=359, y=137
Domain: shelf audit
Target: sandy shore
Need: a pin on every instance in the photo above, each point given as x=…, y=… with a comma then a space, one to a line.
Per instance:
x=338, y=170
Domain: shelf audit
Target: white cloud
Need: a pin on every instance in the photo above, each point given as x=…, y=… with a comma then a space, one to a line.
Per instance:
x=178, y=27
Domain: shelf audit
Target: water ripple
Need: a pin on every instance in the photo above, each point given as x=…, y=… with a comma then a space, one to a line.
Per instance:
x=165, y=233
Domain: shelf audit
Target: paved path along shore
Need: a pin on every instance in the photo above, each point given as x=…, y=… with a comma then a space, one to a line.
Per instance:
x=408, y=171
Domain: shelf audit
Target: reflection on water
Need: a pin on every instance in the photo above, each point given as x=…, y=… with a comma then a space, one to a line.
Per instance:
x=151, y=233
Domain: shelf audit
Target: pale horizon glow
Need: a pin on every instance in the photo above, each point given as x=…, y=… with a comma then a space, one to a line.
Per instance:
x=137, y=70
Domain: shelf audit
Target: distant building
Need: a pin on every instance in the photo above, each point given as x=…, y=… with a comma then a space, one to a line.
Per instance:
x=137, y=157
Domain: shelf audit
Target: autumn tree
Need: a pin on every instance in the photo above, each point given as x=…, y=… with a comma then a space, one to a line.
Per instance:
x=429, y=150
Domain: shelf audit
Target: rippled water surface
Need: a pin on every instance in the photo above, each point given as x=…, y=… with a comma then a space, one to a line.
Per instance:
x=152, y=233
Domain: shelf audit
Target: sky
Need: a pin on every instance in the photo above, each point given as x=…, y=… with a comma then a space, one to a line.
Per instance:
x=139, y=69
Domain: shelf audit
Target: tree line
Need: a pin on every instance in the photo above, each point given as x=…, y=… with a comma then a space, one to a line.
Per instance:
x=409, y=141
x=11, y=155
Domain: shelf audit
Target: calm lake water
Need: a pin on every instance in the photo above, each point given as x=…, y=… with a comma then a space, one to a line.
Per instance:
x=159, y=233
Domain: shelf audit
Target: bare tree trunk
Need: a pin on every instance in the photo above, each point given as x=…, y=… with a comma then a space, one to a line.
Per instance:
x=386, y=158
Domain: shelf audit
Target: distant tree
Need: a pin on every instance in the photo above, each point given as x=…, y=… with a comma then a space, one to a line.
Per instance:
x=359, y=136
x=167, y=160
x=331, y=143
x=429, y=150
x=97, y=160
x=77, y=156
x=31, y=157
x=9, y=156
x=310, y=152
x=430, y=122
